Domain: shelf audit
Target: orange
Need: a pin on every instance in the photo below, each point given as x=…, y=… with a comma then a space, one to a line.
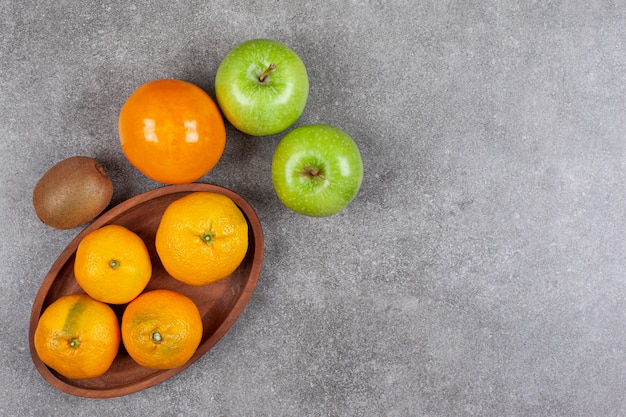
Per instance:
x=112, y=264
x=161, y=329
x=77, y=336
x=172, y=131
x=202, y=238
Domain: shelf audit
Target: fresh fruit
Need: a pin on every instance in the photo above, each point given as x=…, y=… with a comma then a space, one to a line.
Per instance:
x=262, y=87
x=317, y=170
x=72, y=192
x=171, y=131
x=77, y=336
x=161, y=329
x=202, y=238
x=112, y=264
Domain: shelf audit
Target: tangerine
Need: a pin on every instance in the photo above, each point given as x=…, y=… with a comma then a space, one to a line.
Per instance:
x=112, y=264
x=78, y=336
x=171, y=131
x=202, y=238
x=161, y=329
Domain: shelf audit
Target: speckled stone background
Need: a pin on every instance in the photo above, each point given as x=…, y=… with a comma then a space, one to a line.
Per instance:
x=479, y=272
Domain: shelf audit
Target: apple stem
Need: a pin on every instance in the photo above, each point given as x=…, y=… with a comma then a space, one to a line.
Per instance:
x=312, y=172
x=267, y=71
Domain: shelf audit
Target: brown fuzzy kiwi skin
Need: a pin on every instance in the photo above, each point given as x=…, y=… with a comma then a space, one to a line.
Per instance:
x=72, y=192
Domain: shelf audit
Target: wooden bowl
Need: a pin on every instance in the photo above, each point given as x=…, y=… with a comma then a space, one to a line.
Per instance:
x=219, y=303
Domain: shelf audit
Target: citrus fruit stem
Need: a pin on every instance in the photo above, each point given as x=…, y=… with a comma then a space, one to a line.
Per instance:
x=156, y=337
x=113, y=263
x=207, y=237
x=74, y=342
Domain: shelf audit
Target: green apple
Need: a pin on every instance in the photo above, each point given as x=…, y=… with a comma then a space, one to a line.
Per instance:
x=262, y=87
x=317, y=170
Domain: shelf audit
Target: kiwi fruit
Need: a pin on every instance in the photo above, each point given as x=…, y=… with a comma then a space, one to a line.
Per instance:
x=72, y=192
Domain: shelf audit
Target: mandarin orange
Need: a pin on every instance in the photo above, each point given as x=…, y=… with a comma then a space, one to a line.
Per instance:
x=112, y=264
x=161, y=329
x=202, y=238
x=78, y=336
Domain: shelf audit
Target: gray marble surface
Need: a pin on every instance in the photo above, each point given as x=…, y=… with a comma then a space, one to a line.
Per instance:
x=479, y=272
